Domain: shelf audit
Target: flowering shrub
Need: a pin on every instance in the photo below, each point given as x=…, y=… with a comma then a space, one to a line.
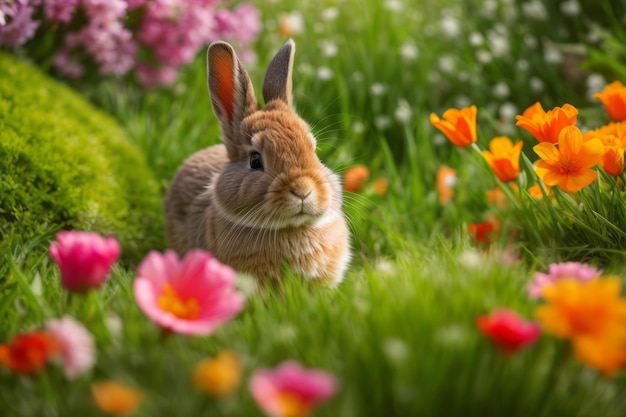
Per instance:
x=151, y=39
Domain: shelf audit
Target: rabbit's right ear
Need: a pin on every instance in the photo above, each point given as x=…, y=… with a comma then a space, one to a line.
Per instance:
x=232, y=93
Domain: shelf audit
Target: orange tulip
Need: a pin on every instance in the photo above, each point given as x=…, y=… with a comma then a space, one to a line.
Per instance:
x=614, y=99
x=546, y=126
x=446, y=179
x=568, y=166
x=459, y=126
x=503, y=158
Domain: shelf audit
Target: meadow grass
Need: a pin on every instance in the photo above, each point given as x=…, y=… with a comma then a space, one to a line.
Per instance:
x=400, y=332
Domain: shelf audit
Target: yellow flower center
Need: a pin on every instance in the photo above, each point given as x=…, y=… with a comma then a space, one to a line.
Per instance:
x=292, y=405
x=172, y=303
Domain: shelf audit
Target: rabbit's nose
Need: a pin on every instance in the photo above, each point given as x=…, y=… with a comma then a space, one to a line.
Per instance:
x=302, y=188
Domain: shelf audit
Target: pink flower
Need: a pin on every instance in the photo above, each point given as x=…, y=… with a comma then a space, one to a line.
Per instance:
x=192, y=296
x=557, y=272
x=59, y=10
x=151, y=77
x=84, y=259
x=290, y=390
x=20, y=26
x=507, y=330
x=76, y=345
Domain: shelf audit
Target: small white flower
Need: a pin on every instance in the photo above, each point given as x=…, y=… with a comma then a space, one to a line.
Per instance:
x=530, y=41
x=536, y=84
x=535, y=10
x=508, y=111
x=396, y=350
x=489, y=9
x=382, y=122
x=594, y=83
x=471, y=258
x=329, y=48
x=357, y=76
x=498, y=44
x=501, y=90
x=522, y=65
x=330, y=13
x=358, y=127
x=462, y=101
x=394, y=5
x=114, y=325
x=408, y=51
x=446, y=64
x=384, y=267
x=570, y=8
x=552, y=55
x=476, y=39
x=483, y=57
x=450, y=27
x=324, y=73
x=377, y=89
x=403, y=112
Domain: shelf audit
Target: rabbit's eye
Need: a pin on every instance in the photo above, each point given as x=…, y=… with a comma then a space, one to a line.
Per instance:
x=255, y=161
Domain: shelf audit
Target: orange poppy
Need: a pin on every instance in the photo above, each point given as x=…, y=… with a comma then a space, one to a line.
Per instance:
x=355, y=177
x=614, y=99
x=458, y=125
x=503, y=158
x=546, y=126
x=569, y=166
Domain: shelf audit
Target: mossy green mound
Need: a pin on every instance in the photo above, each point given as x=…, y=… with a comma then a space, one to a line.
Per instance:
x=65, y=164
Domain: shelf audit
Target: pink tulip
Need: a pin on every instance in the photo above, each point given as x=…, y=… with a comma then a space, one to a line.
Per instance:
x=192, y=296
x=84, y=259
x=557, y=272
x=290, y=390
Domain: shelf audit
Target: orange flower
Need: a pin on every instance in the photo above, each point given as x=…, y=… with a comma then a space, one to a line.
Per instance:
x=568, y=166
x=503, y=158
x=115, y=398
x=498, y=198
x=614, y=99
x=459, y=126
x=380, y=186
x=546, y=126
x=354, y=178
x=29, y=352
x=613, y=137
x=446, y=179
x=484, y=232
x=593, y=315
x=535, y=191
x=219, y=377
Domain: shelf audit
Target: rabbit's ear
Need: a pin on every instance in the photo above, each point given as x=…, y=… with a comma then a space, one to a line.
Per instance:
x=231, y=90
x=277, y=81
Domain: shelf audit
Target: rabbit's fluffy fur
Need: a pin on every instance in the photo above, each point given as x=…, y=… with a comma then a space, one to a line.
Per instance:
x=263, y=197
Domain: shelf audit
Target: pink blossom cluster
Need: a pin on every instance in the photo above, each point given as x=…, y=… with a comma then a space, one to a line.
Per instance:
x=153, y=38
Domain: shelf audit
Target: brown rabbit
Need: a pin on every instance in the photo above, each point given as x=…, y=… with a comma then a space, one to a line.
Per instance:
x=262, y=197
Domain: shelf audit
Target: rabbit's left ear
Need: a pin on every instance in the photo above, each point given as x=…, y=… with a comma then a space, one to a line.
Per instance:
x=277, y=81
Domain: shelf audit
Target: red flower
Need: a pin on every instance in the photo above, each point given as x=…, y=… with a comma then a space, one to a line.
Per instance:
x=482, y=232
x=29, y=352
x=507, y=330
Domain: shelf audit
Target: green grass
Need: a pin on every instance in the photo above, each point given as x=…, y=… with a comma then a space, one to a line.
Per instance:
x=400, y=332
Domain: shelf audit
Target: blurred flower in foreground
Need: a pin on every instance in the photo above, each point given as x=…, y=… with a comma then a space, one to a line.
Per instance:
x=546, y=126
x=115, y=398
x=76, y=345
x=290, y=390
x=614, y=99
x=84, y=258
x=459, y=125
x=561, y=271
x=592, y=315
x=29, y=352
x=569, y=166
x=290, y=24
x=192, y=296
x=446, y=180
x=482, y=232
x=219, y=377
x=354, y=178
x=507, y=330
x=503, y=158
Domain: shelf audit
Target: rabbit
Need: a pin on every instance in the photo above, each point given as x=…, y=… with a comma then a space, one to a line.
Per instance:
x=262, y=198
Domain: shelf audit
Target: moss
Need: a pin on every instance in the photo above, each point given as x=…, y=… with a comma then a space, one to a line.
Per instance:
x=64, y=164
